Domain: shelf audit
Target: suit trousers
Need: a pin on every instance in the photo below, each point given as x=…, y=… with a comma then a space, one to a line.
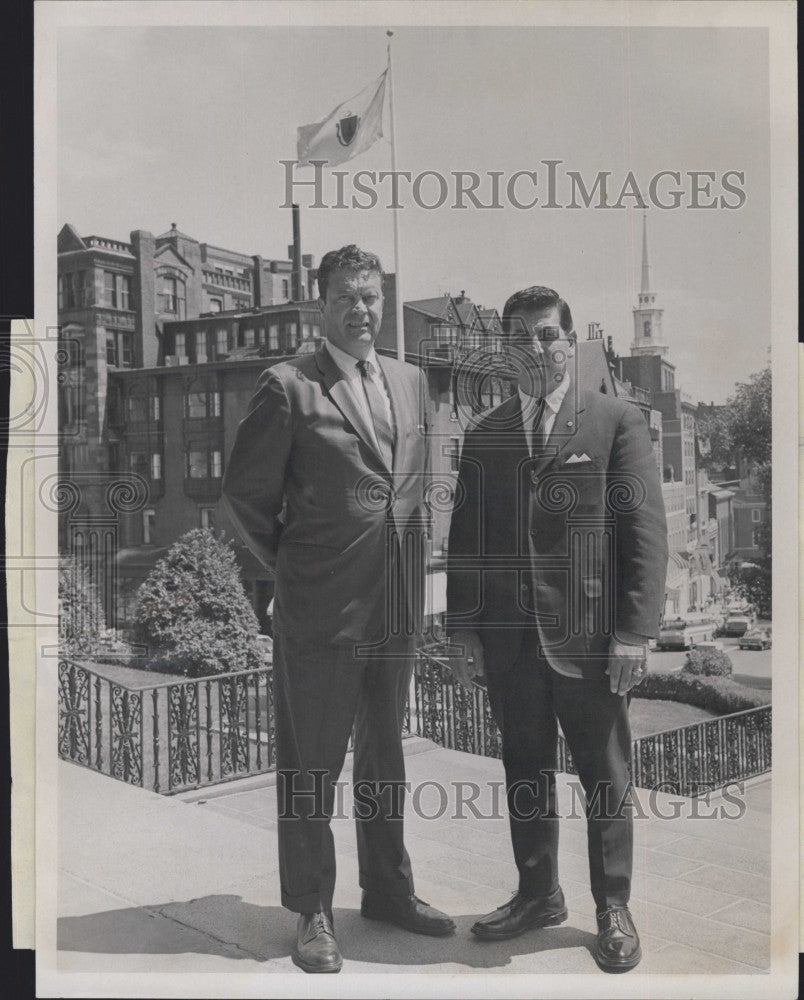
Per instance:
x=528, y=700
x=320, y=692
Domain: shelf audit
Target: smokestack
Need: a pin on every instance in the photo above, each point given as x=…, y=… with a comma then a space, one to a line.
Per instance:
x=296, y=279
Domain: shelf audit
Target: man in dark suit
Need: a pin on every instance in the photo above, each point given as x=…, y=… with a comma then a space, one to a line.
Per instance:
x=326, y=485
x=556, y=572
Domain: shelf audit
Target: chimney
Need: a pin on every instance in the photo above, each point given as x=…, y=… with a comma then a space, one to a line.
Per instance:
x=296, y=279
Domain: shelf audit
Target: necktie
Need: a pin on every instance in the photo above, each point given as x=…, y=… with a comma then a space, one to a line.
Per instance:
x=382, y=429
x=537, y=435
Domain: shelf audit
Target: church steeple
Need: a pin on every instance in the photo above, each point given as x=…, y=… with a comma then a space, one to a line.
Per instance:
x=647, y=317
x=645, y=265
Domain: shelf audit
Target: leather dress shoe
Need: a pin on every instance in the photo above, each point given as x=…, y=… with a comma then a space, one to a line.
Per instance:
x=316, y=948
x=618, y=948
x=408, y=912
x=521, y=914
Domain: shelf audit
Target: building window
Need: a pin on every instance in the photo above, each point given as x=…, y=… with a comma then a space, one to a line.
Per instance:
x=200, y=343
x=208, y=518
x=138, y=464
x=155, y=408
x=222, y=341
x=292, y=335
x=172, y=296
x=273, y=337
x=215, y=305
x=203, y=464
x=156, y=465
x=305, y=331
x=196, y=404
x=136, y=408
x=454, y=453
x=202, y=403
x=148, y=525
x=248, y=337
x=756, y=515
x=73, y=291
x=285, y=289
x=196, y=465
x=179, y=345
x=755, y=539
x=261, y=335
x=444, y=334
x=119, y=349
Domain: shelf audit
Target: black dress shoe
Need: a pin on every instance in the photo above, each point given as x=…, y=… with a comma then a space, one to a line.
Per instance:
x=618, y=948
x=521, y=914
x=408, y=912
x=316, y=948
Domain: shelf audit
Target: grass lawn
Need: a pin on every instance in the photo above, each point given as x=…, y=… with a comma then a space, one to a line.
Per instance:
x=650, y=715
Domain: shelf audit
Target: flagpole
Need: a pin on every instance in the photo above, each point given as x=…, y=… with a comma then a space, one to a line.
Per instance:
x=400, y=315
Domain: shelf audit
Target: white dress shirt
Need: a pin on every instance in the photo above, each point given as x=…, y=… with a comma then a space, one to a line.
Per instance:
x=348, y=365
x=553, y=403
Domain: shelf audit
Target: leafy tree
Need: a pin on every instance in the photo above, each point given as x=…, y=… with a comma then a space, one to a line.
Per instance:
x=744, y=428
x=750, y=418
x=82, y=620
x=714, y=431
x=193, y=612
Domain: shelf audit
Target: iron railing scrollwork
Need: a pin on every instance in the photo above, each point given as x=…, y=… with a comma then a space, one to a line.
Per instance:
x=689, y=761
x=189, y=733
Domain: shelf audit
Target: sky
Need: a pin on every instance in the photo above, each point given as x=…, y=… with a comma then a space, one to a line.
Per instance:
x=188, y=125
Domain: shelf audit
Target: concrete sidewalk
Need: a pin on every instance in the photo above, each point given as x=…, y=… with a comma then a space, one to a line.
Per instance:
x=149, y=883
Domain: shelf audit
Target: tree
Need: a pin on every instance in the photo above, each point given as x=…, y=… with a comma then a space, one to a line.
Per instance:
x=752, y=435
x=192, y=610
x=82, y=620
x=714, y=432
x=750, y=419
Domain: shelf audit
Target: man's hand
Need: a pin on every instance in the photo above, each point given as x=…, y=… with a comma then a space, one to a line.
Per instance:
x=465, y=656
x=628, y=663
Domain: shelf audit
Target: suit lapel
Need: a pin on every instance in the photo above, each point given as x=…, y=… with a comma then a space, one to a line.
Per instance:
x=341, y=395
x=401, y=413
x=565, y=429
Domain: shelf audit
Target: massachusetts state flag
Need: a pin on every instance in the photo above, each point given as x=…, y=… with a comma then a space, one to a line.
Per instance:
x=347, y=131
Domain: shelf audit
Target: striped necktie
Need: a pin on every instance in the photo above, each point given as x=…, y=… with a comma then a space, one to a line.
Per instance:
x=382, y=429
x=537, y=435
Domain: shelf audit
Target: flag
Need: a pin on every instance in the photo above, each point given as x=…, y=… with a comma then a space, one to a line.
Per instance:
x=348, y=130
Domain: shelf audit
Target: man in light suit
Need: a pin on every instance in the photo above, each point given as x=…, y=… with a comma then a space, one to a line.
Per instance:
x=555, y=582
x=326, y=484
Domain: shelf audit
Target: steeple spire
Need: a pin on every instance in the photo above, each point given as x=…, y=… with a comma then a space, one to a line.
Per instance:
x=645, y=265
x=647, y=315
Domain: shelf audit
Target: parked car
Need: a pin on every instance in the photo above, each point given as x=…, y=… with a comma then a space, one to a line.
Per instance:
x=738, y=625
x=686, y=633
x=755, y=639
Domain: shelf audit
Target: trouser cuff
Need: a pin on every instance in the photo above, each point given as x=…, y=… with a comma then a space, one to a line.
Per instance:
x=387, y=887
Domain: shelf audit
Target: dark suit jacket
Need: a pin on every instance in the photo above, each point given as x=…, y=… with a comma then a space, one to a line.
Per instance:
x=312, y=498
x=573, y=544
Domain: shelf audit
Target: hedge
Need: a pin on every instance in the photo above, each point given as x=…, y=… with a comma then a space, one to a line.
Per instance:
x=720, y=695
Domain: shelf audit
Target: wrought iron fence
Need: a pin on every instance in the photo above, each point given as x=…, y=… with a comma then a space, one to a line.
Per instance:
x=168, y=737
x=688, y=761
x=174, y=736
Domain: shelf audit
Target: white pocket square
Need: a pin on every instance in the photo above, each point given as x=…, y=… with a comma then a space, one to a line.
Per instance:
x=578, y=458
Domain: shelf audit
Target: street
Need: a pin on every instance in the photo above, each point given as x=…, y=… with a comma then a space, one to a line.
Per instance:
x=751, y=666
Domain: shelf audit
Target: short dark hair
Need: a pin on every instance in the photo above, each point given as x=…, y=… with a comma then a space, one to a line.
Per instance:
x=537, y=297
x=350, y=258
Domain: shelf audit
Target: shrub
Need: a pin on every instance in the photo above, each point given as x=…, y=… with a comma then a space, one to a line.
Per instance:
x=709, y=662
x=193, y=613
x=720, y=695
x=82, y=620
